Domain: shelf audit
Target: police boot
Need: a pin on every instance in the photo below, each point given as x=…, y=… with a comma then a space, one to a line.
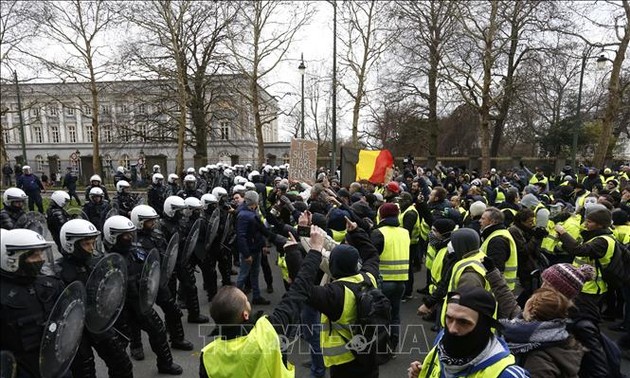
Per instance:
x=171, y=369
x=176, y=331
x=194, y=315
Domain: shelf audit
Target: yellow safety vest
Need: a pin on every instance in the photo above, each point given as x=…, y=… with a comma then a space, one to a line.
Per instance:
x=254, y=355
x=535, y=180
x=436, y=269
x=579, y=202
x=622, y=233
x=431, y=367
x=511, y=265
x=500, y=196
x=473, y=262
x=573, y=226
x=415, y=233
x=338, y=236
x=394, y=262
x=509, y=210
x=550, y=241
x=335, y=335
x=598, y=285
x=424, y=230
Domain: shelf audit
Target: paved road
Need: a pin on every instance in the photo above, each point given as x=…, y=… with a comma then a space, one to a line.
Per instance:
x=416, y=337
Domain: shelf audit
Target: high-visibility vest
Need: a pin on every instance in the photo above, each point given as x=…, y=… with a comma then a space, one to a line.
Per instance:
x=415, y=233
x=579, y=201
x=597, y=285
x=610, y=178
x=533, y=180
x=424, y=230
x=256, y=354
x=473, y=262
x=436, y=269
x=338, y=236
x=622, y=233
x=335, y=335
x=500, y=196
x=550, y=241
x=509, y=210
x=394, y=261
x=573, y=226
x=431, y=367
x=511, y=265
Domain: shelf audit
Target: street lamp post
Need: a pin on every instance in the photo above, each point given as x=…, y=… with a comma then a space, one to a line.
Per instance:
x=601, y=63
x=302, y=69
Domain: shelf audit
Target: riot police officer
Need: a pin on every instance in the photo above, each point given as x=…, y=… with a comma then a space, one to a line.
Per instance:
x=216, y=256
x=124, y=201
x=144, y=218
x=12, y=215
x=26, y=297
x=202, y=184
x=190, y=188
x=56, y=215
x=157, y=193
x=78, y=240
x=96, y=208
x=96, y=182
x=172, y=187
x=119, y=233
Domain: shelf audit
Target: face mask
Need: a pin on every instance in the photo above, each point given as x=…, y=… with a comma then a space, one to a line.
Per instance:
x=31, y=269
x=449, y=248
x=468, y=346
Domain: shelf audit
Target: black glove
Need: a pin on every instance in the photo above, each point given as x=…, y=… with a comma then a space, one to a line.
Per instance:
x=488, y=264
x=540, y=232
x=279, y=241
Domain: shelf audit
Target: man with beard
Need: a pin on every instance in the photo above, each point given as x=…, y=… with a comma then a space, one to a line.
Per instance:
x=498, y=244
x=467, y=346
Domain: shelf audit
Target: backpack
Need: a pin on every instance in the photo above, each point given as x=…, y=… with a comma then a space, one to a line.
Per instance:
x=617, y=273
x=371, y=338
x=613, y=357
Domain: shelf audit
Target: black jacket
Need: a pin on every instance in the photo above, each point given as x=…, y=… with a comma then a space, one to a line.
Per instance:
x=498, y=248
x=12, y=217
x=56, y=217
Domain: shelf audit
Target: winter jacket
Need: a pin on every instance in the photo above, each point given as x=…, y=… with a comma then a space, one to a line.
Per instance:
x=56, y=217
x=12, y=217
x=70, y=182
x=87, y=192
x=30, y=184
x=528, y=249
x=249, y=233
x=96, y=213
x=498, y=248
x=545, y=349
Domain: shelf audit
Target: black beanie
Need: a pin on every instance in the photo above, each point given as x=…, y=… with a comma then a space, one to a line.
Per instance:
x=344, y=260
x=444, y=225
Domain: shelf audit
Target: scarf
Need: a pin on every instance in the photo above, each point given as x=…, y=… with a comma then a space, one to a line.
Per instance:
x=523, y=336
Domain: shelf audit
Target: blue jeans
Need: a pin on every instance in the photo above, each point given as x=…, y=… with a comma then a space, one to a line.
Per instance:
x=311, y=328
x=394, y=291
x=244, y=273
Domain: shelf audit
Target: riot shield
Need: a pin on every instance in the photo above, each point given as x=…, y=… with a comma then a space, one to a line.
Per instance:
x=105, y=293
x=62, y=332
x=211, y=231
x=169, y=260
x=112, y=212
x=191, y=241
x=150, y=280
x=77, y=213
x=36, y=221
x=227, y=231
x=8, y=365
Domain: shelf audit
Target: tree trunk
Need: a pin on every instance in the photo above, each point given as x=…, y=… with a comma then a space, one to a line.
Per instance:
x=614, y=95
x=433, y=94
x=484, y=109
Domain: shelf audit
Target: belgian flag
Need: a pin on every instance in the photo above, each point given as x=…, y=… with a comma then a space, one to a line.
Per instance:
x=357, y=165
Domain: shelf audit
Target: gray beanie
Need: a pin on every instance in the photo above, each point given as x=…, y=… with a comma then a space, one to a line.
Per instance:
x=251, y=197
x=529, y=201
x=477, y=208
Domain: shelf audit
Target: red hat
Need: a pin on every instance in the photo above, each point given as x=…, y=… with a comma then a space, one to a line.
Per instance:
x=393, y=187
x=388, y=210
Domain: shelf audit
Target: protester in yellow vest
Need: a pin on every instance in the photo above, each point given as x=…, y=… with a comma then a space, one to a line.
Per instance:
x=337, y=303
x=250, y=347
x=597, y=249
x=621, y=223
x=498, y=244
x=467, y=346
x=392, y=242
x=409, y=219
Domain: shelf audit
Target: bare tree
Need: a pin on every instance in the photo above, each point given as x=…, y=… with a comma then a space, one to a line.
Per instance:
x=426, y=28
x=368, y=34
x=258, y=47
x=77, y=27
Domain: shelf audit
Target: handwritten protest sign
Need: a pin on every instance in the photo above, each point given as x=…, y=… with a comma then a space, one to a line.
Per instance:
x=303, y=160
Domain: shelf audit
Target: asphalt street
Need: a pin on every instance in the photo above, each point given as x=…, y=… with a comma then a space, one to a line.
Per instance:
x=416, y=338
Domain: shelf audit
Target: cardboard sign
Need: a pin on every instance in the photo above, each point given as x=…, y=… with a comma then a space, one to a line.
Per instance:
x=303, y=160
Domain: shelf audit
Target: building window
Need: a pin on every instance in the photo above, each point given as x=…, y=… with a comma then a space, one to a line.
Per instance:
x=52, y=110
x=107, y=132
x=35, y=112
x=87, y=110
x=6, y=134
x=224, y=130
x=37, y=134
x=124, y=161
x=39, y=163
x=72, y=133
x=89, y=133
x=108, y=161
x=105, y=109
x=142, y=131
x=142, y=109
x=69, y=111
x=124, y=109
x=125, y=134
x=285, y=159
x=55, y=135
